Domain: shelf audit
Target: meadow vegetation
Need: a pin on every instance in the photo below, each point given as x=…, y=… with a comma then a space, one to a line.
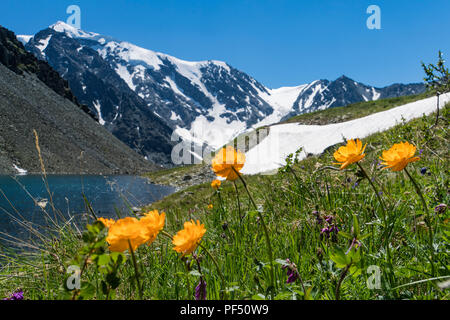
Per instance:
x=315, y=230
x=354, y=110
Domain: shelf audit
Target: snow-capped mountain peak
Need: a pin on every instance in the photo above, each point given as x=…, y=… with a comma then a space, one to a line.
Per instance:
x=186, y=94
x=207, y=100
x=71, y=31
x=24, y=38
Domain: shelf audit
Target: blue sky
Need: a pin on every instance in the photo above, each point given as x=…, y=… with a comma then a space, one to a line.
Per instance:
x=278, y=42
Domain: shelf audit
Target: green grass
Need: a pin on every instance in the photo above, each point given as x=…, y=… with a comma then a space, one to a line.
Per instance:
x=354, y=111
x=170, y=173
x=235, y=235
x=169, y=176
x=174, y=176
x=181, y=177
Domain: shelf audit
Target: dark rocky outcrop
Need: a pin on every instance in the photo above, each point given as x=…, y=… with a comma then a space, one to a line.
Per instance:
x=34, y=97
x=14, y=56
x=71, y=142
x=324, y=94
x=122, y=112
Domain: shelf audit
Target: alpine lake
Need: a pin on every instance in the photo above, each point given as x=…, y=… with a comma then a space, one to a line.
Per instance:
x=29, y=201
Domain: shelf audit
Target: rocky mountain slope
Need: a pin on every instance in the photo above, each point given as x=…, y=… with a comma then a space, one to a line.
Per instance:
x=324, y=94
x=119, y=109
x=205, y=101
x=70, y=140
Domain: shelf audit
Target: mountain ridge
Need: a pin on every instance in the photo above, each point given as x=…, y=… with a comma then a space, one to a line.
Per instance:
x=206, y=101
x=71, y=142
x=117, y=107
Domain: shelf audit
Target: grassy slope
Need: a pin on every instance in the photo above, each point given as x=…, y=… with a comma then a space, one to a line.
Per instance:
x=180, y=176
x=198, y=194
x=353, y=111
x=287, y=200
x=177, y=176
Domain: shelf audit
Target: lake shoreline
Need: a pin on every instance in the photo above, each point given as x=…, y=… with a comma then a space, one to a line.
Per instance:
x=118, y=172
x=26, y=197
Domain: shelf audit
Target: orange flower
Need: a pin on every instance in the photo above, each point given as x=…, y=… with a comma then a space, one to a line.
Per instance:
x=187, y=240
x=351, y=153
x=216, y=184
x=210, y=206
x=398, y=156
x=124, y=230
x=107, y=222
x=227, y=159
x=153, y=222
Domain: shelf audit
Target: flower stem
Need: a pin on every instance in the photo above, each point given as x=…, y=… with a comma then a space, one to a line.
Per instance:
x=427, y=216
x=136, y=271
x=301, y=282
x=383, y=207
x=223, y=214
x=416, y=186
x=266, y=233
x=374, y=189
x=238, y=200
x=341, y=279
x=202, y=279
x=165, y=233
x=218, y=270
x=188, y=282
x=168, y=235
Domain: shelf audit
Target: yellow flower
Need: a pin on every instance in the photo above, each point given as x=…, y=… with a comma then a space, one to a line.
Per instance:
x=227, y=159
x=216, y=184
x=124, y=230
x=107, y=222
x=153, y=222
x=351, y=153
x=210, y=206
x=187, y=240
x=398, y=156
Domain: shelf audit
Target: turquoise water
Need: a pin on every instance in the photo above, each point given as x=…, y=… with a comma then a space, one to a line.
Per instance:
x=104, y=193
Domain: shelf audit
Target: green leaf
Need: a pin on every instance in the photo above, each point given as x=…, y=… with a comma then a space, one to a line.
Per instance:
x=346, y=235
x=87, y=291
x=286, y=295
x=102, y=260
x=308, y=294
x=64, y=293
x=355, y=270
x=354, y=255
x=339, y=257
x=355, y=226
x=364, y=236
x=104, y=287
x=117, y=257
x=113, y=280
x=259, y=296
